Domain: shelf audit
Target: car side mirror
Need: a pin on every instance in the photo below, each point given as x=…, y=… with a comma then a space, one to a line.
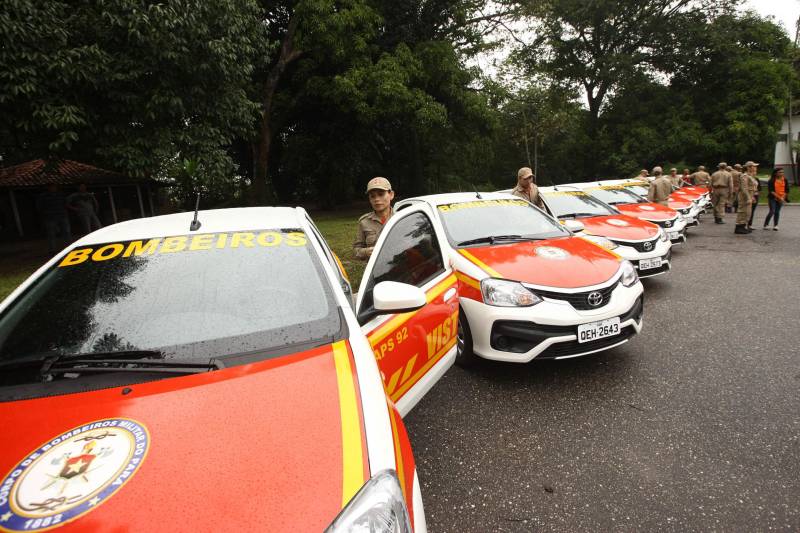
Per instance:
x=574, y=226
x=394, y=297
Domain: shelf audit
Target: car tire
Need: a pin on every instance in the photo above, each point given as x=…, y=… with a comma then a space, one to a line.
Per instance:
x=465, y=357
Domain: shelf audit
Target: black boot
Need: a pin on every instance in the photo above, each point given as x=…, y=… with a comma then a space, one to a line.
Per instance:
x=740, y=229
x=718, y=221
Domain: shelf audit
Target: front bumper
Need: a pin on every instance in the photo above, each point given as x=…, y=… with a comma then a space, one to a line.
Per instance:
x=551, y=327
x=662, y=250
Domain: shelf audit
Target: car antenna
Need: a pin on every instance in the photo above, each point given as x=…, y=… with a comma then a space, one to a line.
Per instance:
x=195, y=225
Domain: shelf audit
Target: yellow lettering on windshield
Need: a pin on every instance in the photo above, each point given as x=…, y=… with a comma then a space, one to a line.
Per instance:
x=109, y=251
x=76, y=257
x=173, y=244
x=565, y=193
x=137, y=248
x=181, y=243
x=479, y=203
x=201, y=242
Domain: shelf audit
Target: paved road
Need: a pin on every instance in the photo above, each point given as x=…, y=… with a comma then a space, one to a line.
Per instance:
x=694, y=425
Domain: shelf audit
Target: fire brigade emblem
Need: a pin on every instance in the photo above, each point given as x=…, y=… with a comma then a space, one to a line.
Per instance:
x=551, y=252
x=71, y=474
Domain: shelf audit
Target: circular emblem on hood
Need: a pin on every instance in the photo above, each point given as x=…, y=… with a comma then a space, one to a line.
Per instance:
x=71, y=474
x=668, y=223
x=617, y=222
x=647, y=208
x=551, y=252
x=594, y=298
x=648, y=246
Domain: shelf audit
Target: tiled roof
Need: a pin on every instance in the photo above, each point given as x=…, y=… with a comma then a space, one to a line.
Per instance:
x=63, y=172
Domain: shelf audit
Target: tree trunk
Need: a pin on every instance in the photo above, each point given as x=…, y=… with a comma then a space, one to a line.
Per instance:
x=262, y=191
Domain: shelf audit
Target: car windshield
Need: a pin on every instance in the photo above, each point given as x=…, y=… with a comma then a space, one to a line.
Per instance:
x=639, y=190
x=499, y=220
x=565, y=204
x=224, y=296
x=614, y=195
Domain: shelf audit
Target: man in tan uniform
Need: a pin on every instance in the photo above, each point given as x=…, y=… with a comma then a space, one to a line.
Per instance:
x=660, y=188
x=526, y=187
x=674, y=179
x=734, y=187
x=720, y=188
x=380, y=194
x=744, y=198
x=701, y=177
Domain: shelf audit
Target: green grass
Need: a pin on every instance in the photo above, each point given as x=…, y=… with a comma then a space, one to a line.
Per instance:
x=338, y=228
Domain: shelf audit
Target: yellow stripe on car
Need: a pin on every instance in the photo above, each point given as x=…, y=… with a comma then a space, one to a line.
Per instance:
x=352, y=453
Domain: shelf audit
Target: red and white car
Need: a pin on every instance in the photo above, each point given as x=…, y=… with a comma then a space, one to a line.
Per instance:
x=689, y=204
x=642, y=243
x=528, y=288
x=157, y=377
x=634, y=205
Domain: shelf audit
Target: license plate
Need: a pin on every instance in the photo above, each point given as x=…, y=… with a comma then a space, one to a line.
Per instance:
x=672, y=235
x=598, y=330
x=648, y=264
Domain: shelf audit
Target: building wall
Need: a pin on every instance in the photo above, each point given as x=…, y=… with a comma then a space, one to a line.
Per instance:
x=782, y=156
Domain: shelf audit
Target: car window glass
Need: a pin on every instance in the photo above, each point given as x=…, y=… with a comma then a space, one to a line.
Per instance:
x=409, y=254
x=575, y=203
x=465, y=221
x=614, y=195
x=190, y=297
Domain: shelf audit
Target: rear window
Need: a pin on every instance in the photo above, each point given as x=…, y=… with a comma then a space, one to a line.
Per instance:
x=193, y=298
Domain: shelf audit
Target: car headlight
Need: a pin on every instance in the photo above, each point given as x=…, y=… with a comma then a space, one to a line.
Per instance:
x=629, y=276
x=378, y=507
x=601, y=241
x=663, y=235
x=504, y=293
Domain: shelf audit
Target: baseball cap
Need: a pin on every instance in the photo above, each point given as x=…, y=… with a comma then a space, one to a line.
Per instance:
x=379, y=183
x=750, y=164
x=722, y=165
x=524, y=172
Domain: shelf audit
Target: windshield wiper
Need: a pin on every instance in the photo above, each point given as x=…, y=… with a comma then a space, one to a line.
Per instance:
x=98, y=362
x=491, y=239
x=578, y=215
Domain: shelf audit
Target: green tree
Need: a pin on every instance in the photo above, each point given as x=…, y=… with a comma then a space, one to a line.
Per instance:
x=132, y=85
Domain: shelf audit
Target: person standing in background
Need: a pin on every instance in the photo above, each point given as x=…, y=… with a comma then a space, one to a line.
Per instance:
x=744, y=198
x=720, y=187
x=755, y=189
x=370, y=225
x=777, y=195
x=701, y=178
x=660, y=188
x=85, y=206
x=526, y=187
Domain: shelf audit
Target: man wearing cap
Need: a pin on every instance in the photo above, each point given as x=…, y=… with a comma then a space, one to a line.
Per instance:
x=526, y=188
x=701, y=177
x=644, y=175
x=745, y=198
x=720, y=187
x=660, y=188
x=370, y=225
x=734, y=187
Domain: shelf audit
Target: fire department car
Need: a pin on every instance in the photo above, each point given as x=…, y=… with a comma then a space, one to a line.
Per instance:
x=642, y=243
x=631, y=204
x=157, y=377
x=528, y=288
x=690, y=204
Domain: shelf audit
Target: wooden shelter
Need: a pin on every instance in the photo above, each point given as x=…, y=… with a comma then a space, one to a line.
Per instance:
x=120, y=197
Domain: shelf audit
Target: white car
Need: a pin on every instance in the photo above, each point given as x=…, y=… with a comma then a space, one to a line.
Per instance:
x=157, y=375
x=528, y=288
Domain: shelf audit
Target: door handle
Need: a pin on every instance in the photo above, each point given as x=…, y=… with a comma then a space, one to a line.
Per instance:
x=450, y=293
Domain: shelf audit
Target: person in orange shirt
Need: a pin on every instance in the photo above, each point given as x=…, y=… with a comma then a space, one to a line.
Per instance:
x=777, y=195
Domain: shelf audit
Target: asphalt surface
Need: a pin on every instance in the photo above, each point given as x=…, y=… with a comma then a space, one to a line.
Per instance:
x=694, y=425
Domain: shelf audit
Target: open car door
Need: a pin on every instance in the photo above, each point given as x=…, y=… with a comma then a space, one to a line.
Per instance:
x=413, y=349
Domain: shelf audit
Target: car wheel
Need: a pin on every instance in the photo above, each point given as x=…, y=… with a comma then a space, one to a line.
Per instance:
x=465, y=357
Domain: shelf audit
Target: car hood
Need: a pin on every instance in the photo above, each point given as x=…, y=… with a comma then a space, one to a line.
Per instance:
x=256, y=446
x=620, y=227
x=679, y=202
x=570, y=262
x=648, y=211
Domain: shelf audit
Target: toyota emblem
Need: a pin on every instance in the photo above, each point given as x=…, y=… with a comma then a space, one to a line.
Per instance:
x=668, y=223
x=595, y=298
x=648, y=246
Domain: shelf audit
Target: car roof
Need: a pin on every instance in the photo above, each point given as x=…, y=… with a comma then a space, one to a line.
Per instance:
x=556, y=188
x=211, y=220
x=458, y=197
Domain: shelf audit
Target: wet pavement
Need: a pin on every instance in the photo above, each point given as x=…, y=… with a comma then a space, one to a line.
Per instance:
x=694, y=425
